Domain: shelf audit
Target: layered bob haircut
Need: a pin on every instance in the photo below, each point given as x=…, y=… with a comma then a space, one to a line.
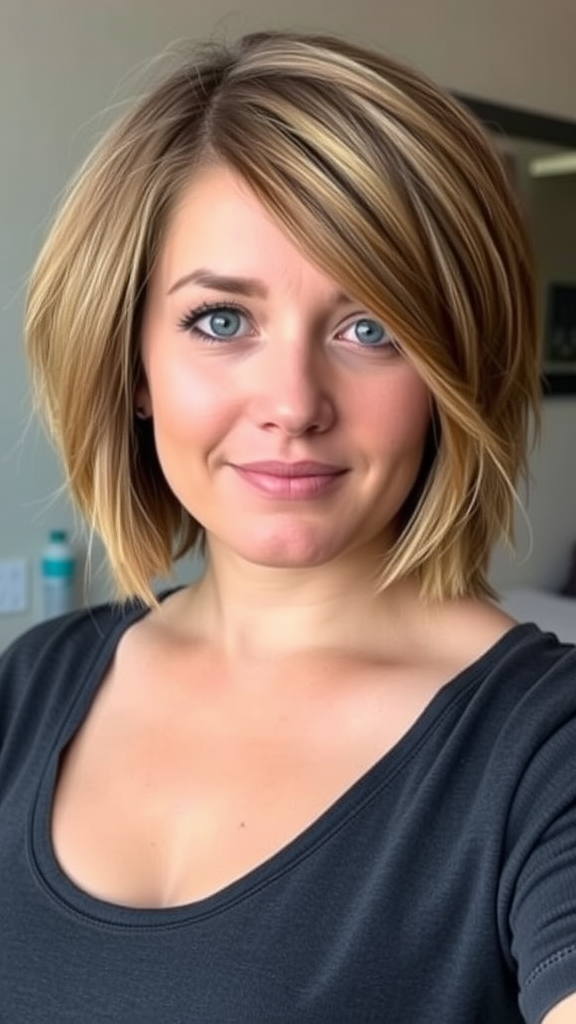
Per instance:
x=393, y=190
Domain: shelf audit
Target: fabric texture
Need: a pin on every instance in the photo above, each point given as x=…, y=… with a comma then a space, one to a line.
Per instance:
x=441, y=887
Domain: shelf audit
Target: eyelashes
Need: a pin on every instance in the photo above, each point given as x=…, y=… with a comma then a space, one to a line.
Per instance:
x=219, y=322
x=225, y=319
x=369, y=333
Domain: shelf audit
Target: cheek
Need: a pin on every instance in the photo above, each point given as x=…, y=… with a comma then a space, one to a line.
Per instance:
x=397, y=416
x=190, y=416
x=186, y=403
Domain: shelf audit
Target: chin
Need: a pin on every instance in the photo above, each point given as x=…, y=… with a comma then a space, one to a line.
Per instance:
x=291, y=549
x=285, y=560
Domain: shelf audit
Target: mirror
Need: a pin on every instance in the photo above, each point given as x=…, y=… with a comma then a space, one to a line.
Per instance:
x=540, y=153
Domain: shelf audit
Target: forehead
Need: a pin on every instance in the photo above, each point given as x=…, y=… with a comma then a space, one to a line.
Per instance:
x=216, y=207
x=219, y=223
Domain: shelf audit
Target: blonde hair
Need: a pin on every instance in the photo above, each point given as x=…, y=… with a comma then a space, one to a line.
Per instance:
x=390, y=187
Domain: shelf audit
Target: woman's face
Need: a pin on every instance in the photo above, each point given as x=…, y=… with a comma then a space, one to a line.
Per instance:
x=285, y=420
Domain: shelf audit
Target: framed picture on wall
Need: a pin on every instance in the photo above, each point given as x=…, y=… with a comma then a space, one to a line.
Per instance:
x=559, y=357
x=560, y=335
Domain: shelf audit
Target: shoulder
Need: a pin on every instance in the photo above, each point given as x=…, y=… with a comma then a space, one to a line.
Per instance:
x=528, y=660
x=41, y=668
x=75, y=633
x=502, y=660
x=513, y=711
x=529, y=678
x=479, y=635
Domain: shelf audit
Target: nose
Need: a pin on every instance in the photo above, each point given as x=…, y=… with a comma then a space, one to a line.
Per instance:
x=293, y=391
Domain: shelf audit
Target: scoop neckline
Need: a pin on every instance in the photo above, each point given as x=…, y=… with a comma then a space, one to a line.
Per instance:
x=101, y=912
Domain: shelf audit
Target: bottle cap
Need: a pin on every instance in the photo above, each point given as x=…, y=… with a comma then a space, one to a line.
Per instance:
x=57, y=536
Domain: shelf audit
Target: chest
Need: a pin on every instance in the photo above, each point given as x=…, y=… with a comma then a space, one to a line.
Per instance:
x=333, y=927
x=167, y=795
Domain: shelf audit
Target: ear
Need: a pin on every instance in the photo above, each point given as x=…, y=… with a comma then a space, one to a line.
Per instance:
x=142, y=400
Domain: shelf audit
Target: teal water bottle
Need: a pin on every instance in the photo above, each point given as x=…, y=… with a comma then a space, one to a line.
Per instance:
x=58, y=568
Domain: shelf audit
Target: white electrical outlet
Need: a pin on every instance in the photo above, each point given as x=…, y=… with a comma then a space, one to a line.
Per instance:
x=13, y=586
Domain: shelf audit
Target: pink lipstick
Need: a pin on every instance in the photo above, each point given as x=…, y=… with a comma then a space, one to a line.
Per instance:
x=291, y=481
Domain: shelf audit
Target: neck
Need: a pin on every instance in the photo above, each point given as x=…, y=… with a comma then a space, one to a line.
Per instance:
x=253, y=611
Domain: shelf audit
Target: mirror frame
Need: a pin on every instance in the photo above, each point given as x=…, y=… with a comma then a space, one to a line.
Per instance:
x=516, y=122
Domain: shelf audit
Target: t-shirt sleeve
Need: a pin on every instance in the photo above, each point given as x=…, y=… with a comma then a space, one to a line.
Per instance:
x=538, y=890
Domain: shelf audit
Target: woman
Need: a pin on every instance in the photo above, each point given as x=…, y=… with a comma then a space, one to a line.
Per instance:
x=287, y=314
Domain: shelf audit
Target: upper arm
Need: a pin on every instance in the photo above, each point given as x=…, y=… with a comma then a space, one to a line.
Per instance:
x=538, y=874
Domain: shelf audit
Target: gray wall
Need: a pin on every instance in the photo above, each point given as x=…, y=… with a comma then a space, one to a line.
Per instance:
x=65, y=68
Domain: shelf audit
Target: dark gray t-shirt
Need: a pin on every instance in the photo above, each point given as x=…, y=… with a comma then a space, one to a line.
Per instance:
x=439, y=889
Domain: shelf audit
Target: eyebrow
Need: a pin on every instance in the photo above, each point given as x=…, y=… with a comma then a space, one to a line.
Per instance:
x=248, y=286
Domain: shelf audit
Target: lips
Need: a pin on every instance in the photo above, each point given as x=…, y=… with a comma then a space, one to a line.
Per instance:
x=292, y=469
x=291, y=481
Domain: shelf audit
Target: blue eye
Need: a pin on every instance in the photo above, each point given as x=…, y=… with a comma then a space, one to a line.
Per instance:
x=223, y=324
x=367, y=333
x=215, y=322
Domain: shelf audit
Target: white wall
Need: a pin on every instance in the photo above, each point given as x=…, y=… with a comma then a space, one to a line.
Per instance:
x=64, y=62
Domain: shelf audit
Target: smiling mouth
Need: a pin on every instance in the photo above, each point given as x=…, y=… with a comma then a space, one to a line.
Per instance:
x=292, y=469
x=300, y=481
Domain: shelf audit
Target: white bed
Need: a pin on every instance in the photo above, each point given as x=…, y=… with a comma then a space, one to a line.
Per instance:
x=552, y=612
